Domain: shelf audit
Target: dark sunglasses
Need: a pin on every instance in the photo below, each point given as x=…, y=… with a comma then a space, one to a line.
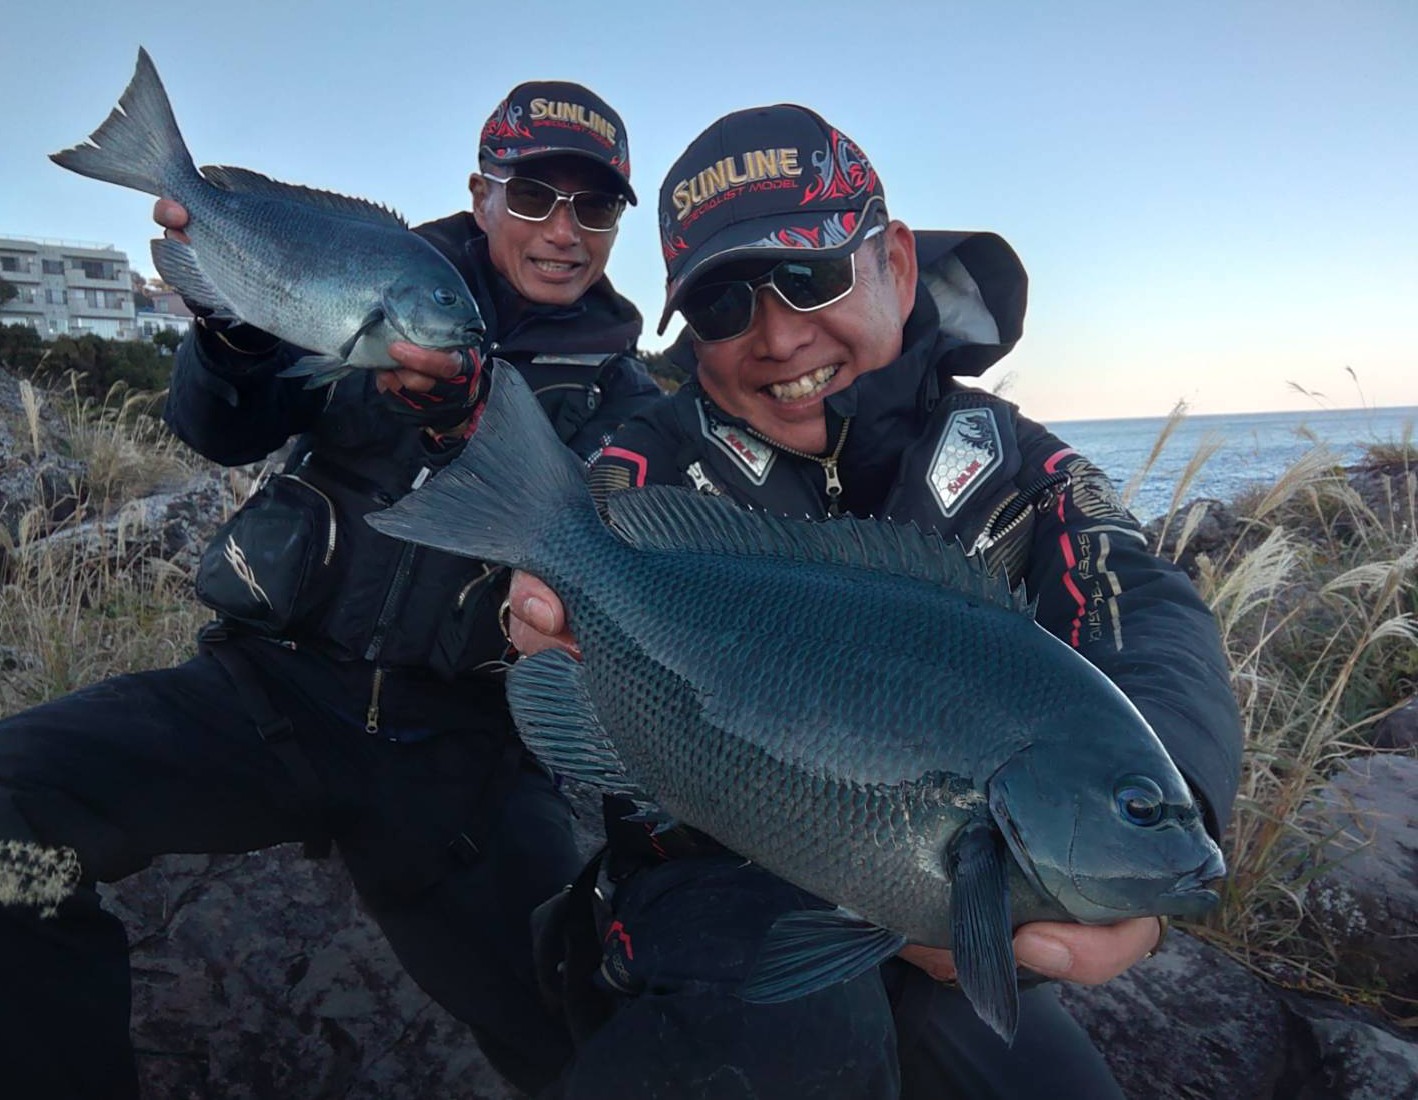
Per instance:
x=723, y=310
x=533, y=201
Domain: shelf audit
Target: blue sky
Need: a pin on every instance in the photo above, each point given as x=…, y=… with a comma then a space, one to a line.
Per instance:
x=1213, y=200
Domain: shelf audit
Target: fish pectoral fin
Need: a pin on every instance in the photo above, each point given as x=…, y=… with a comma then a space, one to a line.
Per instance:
x=815, y=948
x=317, y=370
x=981, y=934
x=372, y=320
x=558, y=722
x=177, y=264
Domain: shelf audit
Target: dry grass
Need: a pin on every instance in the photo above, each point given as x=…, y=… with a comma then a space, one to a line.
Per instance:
x=79, y=601
x=1317, y=602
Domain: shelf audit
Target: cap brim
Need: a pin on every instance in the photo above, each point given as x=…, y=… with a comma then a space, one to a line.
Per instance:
x=544, y=152
x=764, y=238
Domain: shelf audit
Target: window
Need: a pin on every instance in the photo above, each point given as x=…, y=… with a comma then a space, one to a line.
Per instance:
x=97, y=269
x=52, y=267
x=56, y=297
x=9, y=263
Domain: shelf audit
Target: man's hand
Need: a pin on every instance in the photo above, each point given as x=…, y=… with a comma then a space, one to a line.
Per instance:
x=419, y=369
x=1089, y=954
x=536, y=618
x=172, y=216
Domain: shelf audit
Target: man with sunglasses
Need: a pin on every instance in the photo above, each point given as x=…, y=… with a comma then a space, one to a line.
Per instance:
x=825, y=341
x=375, y=716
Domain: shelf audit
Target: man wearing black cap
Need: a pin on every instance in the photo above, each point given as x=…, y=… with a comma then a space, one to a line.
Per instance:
x=824, y=341
x=348, y=689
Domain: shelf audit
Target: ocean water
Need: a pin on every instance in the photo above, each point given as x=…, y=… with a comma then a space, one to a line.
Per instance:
x=1255, y=447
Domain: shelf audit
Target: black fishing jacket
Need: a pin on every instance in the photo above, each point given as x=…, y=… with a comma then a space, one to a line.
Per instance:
x=916, y=446
x=393, y=604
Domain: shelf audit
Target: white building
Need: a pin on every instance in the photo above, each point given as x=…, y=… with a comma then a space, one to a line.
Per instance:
x=168, y=312
x=67, y=287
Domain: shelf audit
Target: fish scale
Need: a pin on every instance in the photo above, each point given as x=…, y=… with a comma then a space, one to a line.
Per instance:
x=858, y=707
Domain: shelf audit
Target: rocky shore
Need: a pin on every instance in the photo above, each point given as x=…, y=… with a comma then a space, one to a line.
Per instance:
x=260, y=975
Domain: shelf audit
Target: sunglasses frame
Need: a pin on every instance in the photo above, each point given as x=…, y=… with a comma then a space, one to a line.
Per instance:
x=765, y=282
x=561, y=197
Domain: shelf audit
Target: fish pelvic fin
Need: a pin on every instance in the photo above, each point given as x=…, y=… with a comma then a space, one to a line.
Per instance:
x=671, y=518
x=981, y=935
x=317, y=370
x=812, y=949
x=513, y=482
x=139, y=144
x=559, y=724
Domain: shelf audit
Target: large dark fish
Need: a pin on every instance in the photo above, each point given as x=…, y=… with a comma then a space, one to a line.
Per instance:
x=338, y=275
x=854, y=705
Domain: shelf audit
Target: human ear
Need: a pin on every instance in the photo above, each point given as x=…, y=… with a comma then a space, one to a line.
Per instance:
x=901, y=265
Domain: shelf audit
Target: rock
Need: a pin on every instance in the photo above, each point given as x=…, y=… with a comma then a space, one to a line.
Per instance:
x=1366, y=905
x=1193, y=1023
x=1398, y=730
x=259, y=975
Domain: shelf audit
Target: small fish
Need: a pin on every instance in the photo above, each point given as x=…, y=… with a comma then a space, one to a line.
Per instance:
x=857, y=706
x=341, y=276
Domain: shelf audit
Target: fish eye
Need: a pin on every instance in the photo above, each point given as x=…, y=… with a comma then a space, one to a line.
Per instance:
x=1139, y=800
x=443, y=296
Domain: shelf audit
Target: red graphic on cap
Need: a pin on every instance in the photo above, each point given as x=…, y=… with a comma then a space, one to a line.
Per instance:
x=795, y=236
x=506, y=122
x=843, y=171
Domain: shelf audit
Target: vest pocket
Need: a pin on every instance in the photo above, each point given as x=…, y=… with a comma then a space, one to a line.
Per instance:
x=271, y=565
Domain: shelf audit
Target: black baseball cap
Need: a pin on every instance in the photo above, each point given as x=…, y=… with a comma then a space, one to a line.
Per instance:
x=551, y=118
x=765, y=182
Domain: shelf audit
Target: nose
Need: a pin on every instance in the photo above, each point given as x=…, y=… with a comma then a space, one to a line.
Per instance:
x=778, y=331
x=561, y=226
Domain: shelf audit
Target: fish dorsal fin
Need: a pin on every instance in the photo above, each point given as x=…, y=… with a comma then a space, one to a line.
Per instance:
x=663, y=517
x=254, y=183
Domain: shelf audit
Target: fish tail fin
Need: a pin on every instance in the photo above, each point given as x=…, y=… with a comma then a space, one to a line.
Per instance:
x=514, y=482
x=139, y=144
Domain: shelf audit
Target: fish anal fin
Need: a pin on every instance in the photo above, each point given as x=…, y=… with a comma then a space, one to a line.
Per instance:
x=559, y=724
x=177, y=264
x=812, y=949
x=981, y=935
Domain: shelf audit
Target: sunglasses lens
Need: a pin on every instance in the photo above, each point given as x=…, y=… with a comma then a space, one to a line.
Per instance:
x=597, y=209
x=812, y=284
x=719, y=311
x=535, y=200
x=529, y=198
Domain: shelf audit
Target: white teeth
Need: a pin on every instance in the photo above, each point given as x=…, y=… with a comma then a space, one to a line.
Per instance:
x=809, y=384
x=554, y=265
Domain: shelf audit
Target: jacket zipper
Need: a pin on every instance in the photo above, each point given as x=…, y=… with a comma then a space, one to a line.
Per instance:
x=1013, y=510
x=371, y=714
x=828, y=464
x=330, y=510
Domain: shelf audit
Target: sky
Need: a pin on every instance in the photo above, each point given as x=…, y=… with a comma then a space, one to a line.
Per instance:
x=1216, y=202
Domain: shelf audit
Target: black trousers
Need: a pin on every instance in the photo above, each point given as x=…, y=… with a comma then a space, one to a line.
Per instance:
x=684, y=936
x=170, y=761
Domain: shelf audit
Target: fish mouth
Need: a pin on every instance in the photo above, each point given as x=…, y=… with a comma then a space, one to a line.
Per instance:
x=1192, y=895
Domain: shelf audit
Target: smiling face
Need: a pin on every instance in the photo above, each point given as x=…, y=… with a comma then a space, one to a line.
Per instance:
x=776, y=375
x=551, y=262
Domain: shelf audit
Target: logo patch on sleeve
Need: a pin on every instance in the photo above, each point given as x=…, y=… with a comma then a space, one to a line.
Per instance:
x=968, y=452
x=752, y=456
